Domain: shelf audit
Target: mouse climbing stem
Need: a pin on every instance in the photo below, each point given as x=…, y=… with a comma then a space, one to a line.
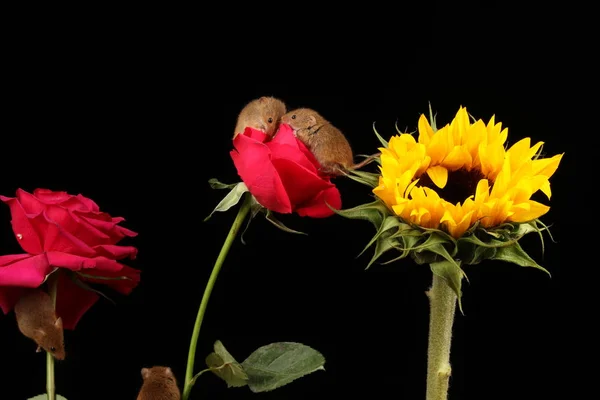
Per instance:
x=50, y=387
x=235, y=227
x=442, y=301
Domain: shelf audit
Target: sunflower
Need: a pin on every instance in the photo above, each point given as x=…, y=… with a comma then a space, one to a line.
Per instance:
x=461, y=174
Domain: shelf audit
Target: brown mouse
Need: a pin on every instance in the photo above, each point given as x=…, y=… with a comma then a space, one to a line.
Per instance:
x=327, y=143
x=159, y=384
x=37, y=320
x=263, y=113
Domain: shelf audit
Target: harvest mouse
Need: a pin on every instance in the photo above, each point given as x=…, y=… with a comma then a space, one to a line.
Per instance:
x=263, y=113
x=37, y=320
x=159, y=384
x=327, y=143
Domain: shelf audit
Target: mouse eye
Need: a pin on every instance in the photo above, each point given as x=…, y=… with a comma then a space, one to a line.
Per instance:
x=270, y=120
x=53, y=349
x=294, y=116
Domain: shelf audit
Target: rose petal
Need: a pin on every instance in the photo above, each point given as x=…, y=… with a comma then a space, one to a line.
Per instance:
x=285, y=136
x=316, y=208
x=57, y=239
x=72, y=301
x=47, y=196
x=124, y=286
x=30, y=203
x=76, y=263
x=24, y=270
x=22, y=227
x=115, y=252
x=109, y=227
x=78, y=227
x=9, y=295
x=88, y=203
x=260, y=176
x=254, y=134
x=300, y=183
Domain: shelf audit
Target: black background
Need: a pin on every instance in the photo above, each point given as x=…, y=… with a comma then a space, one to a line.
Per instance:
x=137, y=111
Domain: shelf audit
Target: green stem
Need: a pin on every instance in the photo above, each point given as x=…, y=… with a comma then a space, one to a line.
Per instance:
x=50, y=387
x=235, y=227
x=442, y=301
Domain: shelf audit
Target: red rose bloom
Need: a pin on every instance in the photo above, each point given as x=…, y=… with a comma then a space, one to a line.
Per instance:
x=282, y=174
x=59, y=230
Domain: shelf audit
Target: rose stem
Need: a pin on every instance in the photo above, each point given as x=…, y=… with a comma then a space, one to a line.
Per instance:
x=442, y=301
x=50, y=388
x=235, y=227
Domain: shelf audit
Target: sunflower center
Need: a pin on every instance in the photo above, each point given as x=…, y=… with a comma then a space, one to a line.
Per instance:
x=461, y=184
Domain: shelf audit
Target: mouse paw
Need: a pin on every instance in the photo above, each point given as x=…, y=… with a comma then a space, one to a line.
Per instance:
x=39, y=349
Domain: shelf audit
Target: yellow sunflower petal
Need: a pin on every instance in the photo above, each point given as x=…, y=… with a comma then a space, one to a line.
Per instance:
x=425, y=130
x=547, y=166
x=533, y=211
x=438, y=175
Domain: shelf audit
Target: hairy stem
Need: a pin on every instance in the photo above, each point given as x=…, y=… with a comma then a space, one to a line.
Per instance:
x=50, y=387
x=235, y=227
x=442, y=301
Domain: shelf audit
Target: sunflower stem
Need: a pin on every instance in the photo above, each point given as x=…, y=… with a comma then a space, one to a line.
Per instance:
x=442, y=301
x=50, y=386
x=235, y=227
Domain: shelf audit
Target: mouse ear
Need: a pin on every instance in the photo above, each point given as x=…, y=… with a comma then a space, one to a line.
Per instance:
x=168, y=371
x=58, y=323
x=145, y=373
x=312, y=119
x=39, y=334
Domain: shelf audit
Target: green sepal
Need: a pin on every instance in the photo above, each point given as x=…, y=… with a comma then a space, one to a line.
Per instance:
x=222, y=364
x=366, y=178
x=231, y=199
x=85, y=286
x=375, y=212
x=255, y=209
x=270, y=216
x=516, y=255
x=451, y=272
x=381, y=139
x=432, y=120
x=215, y=184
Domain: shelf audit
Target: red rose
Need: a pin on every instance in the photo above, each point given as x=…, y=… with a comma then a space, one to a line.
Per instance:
x=59, y=230
x=282, y=174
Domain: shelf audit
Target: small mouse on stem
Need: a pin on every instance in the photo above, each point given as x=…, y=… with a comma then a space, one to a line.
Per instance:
x=263, y=113
x=37, y=320
x=327, y=143
x=159, y=384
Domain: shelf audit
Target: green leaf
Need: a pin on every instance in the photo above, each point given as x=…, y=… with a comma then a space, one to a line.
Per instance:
x=373, y=212
x=222, y=364
x=382, y=140
x=516, y=255
x=451, y=272
x=231, y=199
x=277, y=364
x=215, y=184
x=85, y=286
x=45, y=397
x=271, y=218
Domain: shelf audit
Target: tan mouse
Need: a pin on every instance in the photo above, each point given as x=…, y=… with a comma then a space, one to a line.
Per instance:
x=327, y=143
x=37, y=320
x=159, y=384
x=263, y=113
